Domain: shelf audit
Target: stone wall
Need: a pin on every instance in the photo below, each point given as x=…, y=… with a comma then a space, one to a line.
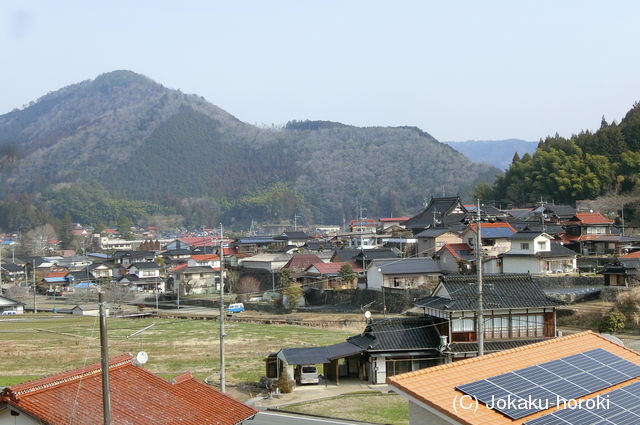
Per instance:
x=395, y=300
x=548, y=282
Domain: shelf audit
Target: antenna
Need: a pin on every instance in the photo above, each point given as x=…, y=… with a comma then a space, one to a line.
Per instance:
x=141, y=358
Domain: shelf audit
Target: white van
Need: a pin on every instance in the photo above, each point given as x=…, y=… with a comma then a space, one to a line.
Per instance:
x=308, y=374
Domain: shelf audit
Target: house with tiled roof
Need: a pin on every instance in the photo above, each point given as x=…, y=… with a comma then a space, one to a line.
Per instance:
x=516, y=312
x=431, y=240
x=591, y=233
x=327, y=275
x=440, y=212
x=561, y=380
x=300, y=262
x=535, y=253
x=386, y=347
x=137, y=397
x=193, y=280
x=454, y=257
x=403, y=273
x=204, y=260
x=496, y=237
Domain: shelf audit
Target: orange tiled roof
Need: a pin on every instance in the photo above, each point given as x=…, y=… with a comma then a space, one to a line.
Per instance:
x=56, y=274
x=632, y=255
x=205, y=257
x=474, y=226
x=326, y=268
x=393, y=219
x=435, y=386
x=137, y=397
x=178, y=267
x=453, y=248
x=593, y=218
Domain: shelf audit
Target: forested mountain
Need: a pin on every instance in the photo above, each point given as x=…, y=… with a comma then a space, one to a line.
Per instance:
x=124, y=145
x=498, y=153
x=583, y=166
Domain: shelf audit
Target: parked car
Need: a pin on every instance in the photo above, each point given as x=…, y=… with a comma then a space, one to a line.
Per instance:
x=308, y=374
x=235, y=308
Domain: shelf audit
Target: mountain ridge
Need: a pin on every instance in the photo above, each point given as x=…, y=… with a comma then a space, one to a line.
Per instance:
x=133, y=138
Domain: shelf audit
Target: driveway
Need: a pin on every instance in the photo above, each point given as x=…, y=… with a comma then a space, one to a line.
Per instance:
x=274, y=418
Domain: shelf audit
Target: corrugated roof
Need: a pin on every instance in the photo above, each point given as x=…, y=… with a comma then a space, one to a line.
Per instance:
x=435, y=386
x=137, y=397
x=499, y=291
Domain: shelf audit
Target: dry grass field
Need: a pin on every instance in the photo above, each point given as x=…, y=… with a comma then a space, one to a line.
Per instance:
x=37, y=345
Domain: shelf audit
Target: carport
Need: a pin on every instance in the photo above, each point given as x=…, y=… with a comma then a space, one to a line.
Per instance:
x=338, y=360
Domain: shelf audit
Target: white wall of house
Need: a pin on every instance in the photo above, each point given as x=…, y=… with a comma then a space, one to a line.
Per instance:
x=378, y=370
x=208, y=263
x=7, y=419
x=447, y=262
x=524, y=264
x=374, y=278
x=541, y=243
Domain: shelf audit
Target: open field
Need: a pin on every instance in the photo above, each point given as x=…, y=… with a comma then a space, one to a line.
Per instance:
x=37, y=345
x=368, y=407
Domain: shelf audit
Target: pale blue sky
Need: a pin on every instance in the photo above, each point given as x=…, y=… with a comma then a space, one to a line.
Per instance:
x=458, y=70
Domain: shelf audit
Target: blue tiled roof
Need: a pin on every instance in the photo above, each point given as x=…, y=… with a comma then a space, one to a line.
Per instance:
x=496, y=232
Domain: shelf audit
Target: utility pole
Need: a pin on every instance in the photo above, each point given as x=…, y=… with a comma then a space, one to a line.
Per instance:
x=479, y=272
x=295, y=221
x=104, y=361
x=222, y=334
x=35, y=303
x=623, y=219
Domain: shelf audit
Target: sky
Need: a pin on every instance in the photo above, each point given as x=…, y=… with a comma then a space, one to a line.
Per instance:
x=459, y=70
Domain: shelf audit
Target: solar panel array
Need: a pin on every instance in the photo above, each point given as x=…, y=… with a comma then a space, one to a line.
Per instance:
x=623, y=408
x=567, y=378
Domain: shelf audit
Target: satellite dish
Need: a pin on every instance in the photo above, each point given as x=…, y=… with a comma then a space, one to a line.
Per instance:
x=367, y=315
x=141, y=358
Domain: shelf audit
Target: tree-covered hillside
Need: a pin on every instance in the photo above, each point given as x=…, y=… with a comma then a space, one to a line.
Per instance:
x=122, y=144
x=584, y=166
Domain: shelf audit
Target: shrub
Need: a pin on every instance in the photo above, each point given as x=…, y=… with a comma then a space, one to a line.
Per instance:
x=611, y=322
x=285, y=384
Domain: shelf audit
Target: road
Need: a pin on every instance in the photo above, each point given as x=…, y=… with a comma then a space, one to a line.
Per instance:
x=273, y=418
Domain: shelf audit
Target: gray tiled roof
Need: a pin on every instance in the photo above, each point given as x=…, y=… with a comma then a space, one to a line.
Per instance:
x=407, y=266
x=315, y=355
x=499, y=291
x=490, y=346
x=398, y=334
x=557, y=250
x=433, y=233
x=525, y=236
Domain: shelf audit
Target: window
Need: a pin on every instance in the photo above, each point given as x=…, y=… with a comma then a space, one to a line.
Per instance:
x=524, y=246
x=496, y=327
x=462, y=325
x=527, y=326
x=542, y=245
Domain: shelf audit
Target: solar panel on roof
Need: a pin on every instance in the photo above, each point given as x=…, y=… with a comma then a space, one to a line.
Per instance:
x=547, y=384
x=618, y=407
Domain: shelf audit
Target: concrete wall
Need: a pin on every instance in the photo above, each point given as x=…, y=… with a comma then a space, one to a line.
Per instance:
x=420, y=416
